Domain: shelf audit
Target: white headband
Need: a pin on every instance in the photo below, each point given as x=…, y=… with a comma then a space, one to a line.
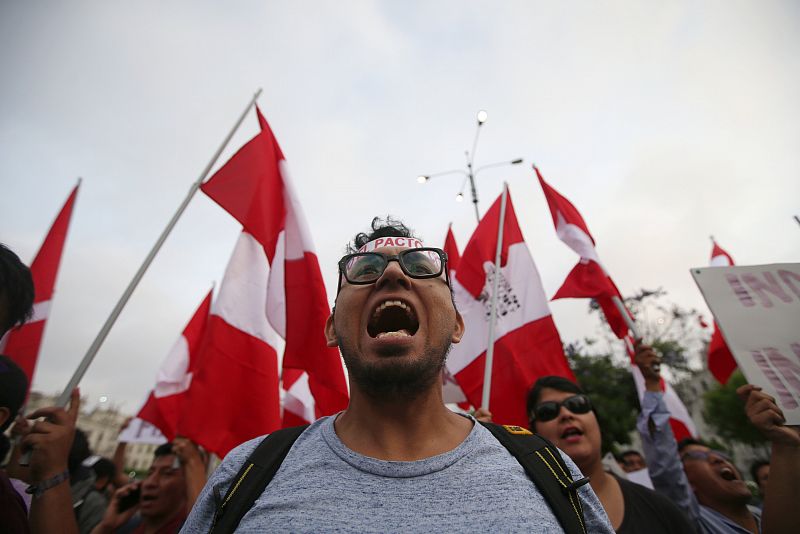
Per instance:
x=407, y=242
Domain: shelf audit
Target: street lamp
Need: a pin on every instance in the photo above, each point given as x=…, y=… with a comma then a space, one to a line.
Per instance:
x=470, y=173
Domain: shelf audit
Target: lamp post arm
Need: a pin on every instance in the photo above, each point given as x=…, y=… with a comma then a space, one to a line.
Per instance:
x=498, y=164
x=443, y=173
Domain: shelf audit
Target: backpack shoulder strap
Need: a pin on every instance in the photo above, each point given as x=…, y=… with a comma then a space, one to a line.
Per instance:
x=544, y=465
x=256, y=472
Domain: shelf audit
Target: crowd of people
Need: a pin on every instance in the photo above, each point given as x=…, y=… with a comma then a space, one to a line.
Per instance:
x=397, y=459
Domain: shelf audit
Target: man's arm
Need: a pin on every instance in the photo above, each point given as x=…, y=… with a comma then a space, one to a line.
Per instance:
x=120, y=478
x=780, y=505
x=658, y=443
x=194, y=468
x=50, y=442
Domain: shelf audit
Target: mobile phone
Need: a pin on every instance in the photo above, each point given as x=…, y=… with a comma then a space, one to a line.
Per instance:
x=130, y=500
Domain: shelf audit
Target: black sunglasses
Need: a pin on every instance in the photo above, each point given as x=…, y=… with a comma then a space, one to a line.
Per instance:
x=364, y=268
x=549, y=410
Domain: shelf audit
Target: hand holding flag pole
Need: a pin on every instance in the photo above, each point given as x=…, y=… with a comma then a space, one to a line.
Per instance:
x=101, y=336
x=487, y=373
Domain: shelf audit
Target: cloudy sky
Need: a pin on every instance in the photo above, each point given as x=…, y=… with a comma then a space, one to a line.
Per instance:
x=662, y=122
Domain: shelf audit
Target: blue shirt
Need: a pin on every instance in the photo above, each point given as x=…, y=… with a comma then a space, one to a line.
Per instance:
x=323, y=486
x=666, y=469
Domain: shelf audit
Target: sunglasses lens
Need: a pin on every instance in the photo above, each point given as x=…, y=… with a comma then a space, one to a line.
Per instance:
x=547, y=411
x=365, y=268
x=578, y=404
x=422, y=263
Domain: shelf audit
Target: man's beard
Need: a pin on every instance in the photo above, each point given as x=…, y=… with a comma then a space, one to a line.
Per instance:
x=395, y=377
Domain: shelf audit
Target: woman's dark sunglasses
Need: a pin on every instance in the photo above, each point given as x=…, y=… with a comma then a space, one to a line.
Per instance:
x=549, y=410
x=367, y=267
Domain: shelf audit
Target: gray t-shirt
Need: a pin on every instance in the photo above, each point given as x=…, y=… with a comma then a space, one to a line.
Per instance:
x=322, y=486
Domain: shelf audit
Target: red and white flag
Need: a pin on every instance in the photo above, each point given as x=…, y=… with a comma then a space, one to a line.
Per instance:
x=166, y=402
x=451, y=391
x=720, y=360
x=451, y=249
x=274, y=289
x=22, y=344
x=679, y=419
x=527, y=344
x=588, y=279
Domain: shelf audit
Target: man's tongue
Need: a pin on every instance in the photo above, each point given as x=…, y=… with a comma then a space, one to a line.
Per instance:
x=394, y=334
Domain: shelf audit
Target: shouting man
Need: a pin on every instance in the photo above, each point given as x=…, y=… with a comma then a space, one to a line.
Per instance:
x=397, y=458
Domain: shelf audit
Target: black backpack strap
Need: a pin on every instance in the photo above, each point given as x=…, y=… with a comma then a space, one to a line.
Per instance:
x=256, y=472
x=544, y=465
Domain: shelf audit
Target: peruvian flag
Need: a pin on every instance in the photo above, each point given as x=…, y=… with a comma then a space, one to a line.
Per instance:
x=679, y=419
x=451, y=391
x=527, y=344
x=275, y=256
x=720, y=360
x=451, y=249
x=166, y=402
x=22, y=344
x=588, y=279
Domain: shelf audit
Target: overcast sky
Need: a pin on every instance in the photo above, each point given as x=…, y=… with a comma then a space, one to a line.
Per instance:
x=663, y=122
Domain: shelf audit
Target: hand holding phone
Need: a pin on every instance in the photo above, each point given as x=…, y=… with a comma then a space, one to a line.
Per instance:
x=130, y=500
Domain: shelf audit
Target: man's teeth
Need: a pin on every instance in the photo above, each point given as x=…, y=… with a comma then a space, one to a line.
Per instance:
x=388, y=303
x=398, y=333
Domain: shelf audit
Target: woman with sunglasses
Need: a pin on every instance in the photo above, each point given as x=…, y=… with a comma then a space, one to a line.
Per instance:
x=559, y=411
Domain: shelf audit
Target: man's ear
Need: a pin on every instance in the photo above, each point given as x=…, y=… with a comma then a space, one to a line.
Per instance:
x=330, y=331
x=458, y=332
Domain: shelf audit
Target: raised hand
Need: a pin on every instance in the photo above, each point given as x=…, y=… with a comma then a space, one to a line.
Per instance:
x=50, y=440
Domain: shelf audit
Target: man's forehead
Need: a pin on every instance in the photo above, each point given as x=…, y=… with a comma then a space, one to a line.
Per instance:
x=163, y=461
x=384, y=242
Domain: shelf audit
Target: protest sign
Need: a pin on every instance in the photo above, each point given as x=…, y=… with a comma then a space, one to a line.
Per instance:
x=758, y=310
x=140, y=431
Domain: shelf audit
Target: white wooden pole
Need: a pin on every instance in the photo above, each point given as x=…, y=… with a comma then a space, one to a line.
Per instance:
x=101, y=336
x=487, y=372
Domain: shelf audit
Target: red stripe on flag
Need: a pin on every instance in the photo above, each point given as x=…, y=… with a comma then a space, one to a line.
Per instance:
x=520, y=358
x=237, y=373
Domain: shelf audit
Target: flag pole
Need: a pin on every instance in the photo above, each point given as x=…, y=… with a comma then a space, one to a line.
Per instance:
x=487, y=372
x=101, y=336
x=625, y=315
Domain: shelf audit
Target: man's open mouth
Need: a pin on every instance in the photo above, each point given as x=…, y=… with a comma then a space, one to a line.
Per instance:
x=392, y=318
x=728, y=474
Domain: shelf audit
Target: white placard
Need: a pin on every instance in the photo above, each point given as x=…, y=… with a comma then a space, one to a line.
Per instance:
x=758, y=310
x=140, y=431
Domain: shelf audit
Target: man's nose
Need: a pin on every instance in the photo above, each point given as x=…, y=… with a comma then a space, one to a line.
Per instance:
x=393, y=274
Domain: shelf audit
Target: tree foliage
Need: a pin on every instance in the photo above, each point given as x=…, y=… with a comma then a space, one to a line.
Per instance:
x=611, y=390
x=724, y=412
x=673, y=331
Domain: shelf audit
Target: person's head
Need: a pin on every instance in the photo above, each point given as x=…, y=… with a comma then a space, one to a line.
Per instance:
x=760, y=473
x=632, y=461
x=13, y=385
x=393, y=322
x=560, y=411
x=712, y=475
x=16, y=290
x=78, y=452
x=104, y=473
x=163, y=491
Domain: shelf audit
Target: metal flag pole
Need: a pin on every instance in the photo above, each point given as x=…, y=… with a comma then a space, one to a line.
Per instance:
x=101, y=336
x=487, y=372
x=625, y=315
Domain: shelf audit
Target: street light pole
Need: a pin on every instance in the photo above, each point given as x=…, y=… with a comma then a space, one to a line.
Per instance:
x=471, y=173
